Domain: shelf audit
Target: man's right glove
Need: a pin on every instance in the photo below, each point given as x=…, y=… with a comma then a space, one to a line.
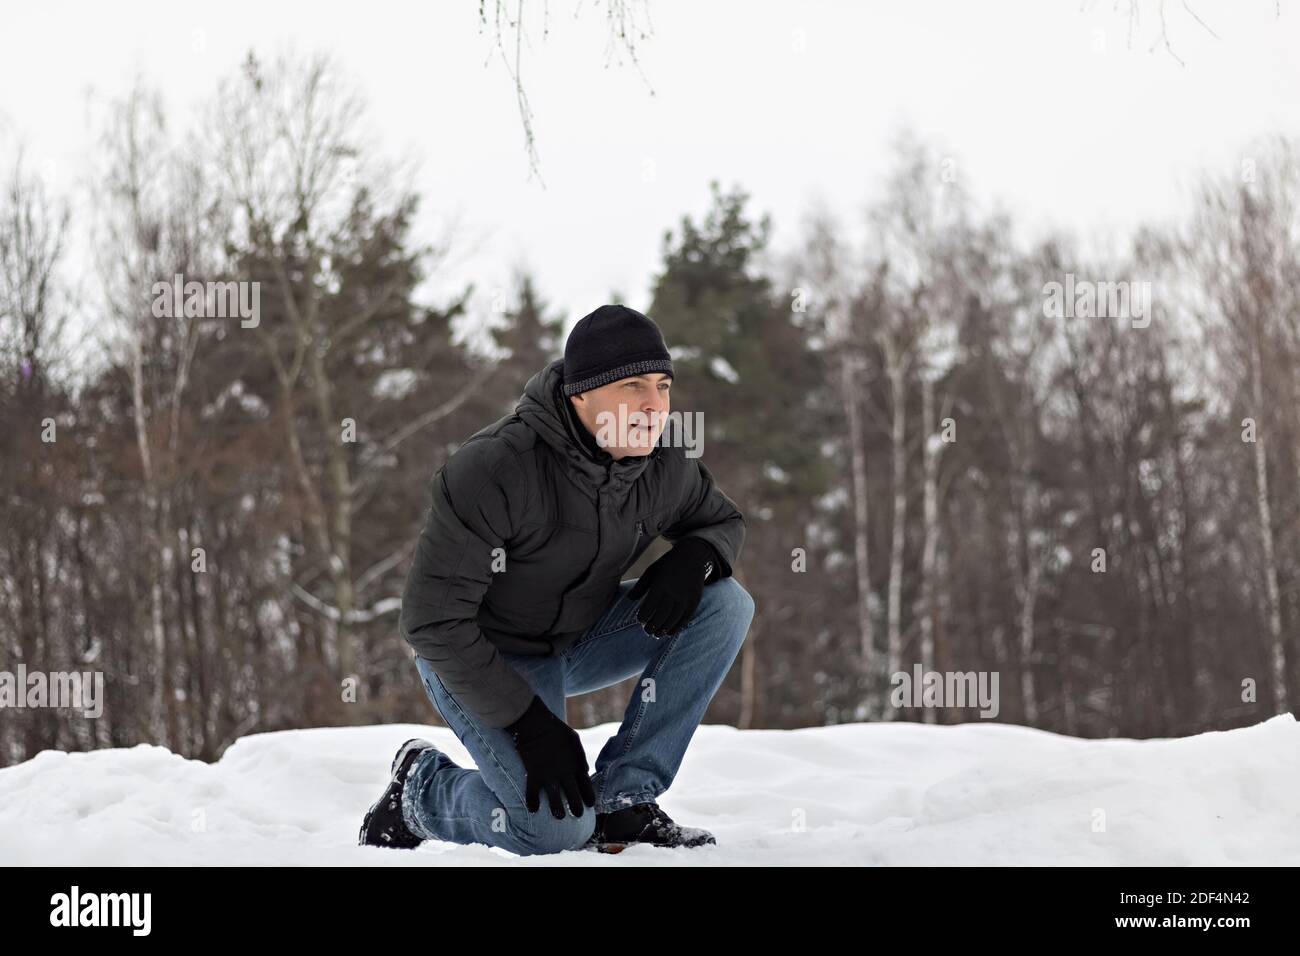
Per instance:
x=554, y=761
x=673, y=586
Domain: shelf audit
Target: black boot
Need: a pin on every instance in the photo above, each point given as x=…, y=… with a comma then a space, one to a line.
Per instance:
x=642, y=823
x=383, y=824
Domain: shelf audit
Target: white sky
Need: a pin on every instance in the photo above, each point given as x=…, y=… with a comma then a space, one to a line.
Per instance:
x=1045, y=106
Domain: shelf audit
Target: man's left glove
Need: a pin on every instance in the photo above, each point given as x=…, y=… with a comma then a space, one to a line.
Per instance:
x=673, y=586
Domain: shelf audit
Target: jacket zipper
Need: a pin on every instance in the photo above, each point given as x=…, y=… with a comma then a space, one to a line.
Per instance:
x=640, y=530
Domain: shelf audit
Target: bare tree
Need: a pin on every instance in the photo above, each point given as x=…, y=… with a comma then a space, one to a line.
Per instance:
x=825, y=256
x=151, y=232
x=33, y=229
x=1243, y=245
x=628, y=22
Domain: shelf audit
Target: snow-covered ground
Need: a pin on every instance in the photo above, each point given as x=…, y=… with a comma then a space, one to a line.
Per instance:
x=859, y=794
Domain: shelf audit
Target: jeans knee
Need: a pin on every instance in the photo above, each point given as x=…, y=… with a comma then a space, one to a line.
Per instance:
x=736, y=600
x=540, y=832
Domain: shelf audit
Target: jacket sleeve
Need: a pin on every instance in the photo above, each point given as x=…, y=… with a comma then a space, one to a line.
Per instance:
x=476, y=507
x=709, y=514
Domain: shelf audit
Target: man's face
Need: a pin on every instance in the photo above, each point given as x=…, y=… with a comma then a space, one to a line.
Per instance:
x=628, y=416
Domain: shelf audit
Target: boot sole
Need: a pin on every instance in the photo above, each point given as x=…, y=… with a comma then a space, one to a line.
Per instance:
x=414, y=743
x=607, y=847
x=620, y=847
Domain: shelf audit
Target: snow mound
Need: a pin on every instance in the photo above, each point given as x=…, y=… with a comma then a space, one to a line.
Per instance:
x=851, y=794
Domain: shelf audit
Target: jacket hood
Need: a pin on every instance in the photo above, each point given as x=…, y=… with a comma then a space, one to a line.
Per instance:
x=545, y=409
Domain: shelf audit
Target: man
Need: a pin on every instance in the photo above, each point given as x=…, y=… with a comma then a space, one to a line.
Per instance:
x=515, y=601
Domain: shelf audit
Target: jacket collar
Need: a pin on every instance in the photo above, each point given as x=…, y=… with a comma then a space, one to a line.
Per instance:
x=545, y=409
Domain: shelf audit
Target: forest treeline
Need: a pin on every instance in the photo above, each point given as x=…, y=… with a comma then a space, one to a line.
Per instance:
x=937, y=467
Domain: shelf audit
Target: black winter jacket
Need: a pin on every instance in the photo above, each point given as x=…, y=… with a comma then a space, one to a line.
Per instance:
x=562, y=521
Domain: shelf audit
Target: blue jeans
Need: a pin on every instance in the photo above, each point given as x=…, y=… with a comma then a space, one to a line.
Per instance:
x=679, y=676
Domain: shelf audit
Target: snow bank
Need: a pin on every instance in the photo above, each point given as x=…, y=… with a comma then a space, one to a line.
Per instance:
x=856, y=794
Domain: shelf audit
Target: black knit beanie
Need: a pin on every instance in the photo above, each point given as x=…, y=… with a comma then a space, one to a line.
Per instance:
x=610, y=343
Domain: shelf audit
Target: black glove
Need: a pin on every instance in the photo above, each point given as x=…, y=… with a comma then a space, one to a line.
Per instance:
x=673, y=586
x=554, y=761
